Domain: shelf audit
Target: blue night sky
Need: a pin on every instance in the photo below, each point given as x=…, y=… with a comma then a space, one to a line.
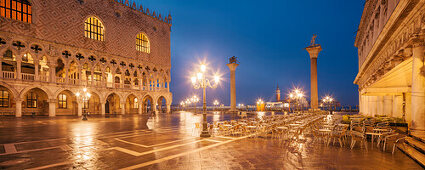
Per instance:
x=269, y=38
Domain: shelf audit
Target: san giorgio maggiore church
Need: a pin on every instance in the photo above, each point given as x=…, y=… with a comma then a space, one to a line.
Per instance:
x=391, y=52
x=50, y=50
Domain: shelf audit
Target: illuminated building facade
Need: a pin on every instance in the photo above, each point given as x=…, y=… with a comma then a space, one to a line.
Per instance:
x=50, y=50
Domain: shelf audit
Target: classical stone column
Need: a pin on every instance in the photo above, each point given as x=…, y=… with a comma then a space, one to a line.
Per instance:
x=52, y=107
x=36, y=70
x=418, y=87
x=52, y=69
x=361, y=104
x=314, y=50
x=140, y=109
x=102, y=108
x=397, y=106
x=388, y=106
x=18, y=103
x=380, y=105
x=1, y=69
x=66, y=75
x=232, y=67
x=154, y=105
x=18, y=68
x=79, y=108
x=365, y=105
x=168, y=108
x=123, y=108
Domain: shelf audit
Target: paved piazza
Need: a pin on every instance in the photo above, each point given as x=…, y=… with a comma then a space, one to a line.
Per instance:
x=168, y=142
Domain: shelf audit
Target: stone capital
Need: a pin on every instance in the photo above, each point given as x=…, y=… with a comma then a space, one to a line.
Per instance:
x=232, y=66
x=417, y=40
x=314, y=51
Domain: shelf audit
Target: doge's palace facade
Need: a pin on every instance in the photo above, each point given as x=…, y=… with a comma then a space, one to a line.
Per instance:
x=51, y=50
x=391, y=48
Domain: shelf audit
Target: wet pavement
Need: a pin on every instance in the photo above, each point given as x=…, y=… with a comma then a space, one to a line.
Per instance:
x=168, y=142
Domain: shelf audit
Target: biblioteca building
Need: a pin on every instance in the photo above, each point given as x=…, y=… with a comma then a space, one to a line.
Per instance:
x=391, y=48
x=50, y=51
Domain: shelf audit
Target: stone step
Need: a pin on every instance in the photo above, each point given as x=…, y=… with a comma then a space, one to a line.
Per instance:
x=410, y=151
x=418, y=145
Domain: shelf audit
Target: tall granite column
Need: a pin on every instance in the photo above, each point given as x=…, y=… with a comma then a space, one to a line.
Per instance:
x=232, y=67
x=418, y=87
x=314, y=50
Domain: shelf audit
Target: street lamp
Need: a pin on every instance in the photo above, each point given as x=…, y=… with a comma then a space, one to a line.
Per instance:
x=200, y=81
x=328, y=100
x=216, y=103
x=260, y=105
x=181, y=105
x=297, y=95
x=84, y=96
x=194, y=100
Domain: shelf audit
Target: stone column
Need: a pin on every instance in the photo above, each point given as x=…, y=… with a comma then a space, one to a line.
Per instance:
x=66, y=75
x=232, y=67
x=314, y=51
x=154, y=105
x=79, y=108
x=36, y=70
x=18, y=107
x=52, y=69
x=52, y=107
x=418, y=88
x=168, y=108
x=140, y=109
x=365, y=105
x=398, y=106
x=1, y=67
x=18, y=68
x=380, y=105
x=388, y=106
x=102, y=108
x=122, y=104
x=361, y=103
x=374, y=105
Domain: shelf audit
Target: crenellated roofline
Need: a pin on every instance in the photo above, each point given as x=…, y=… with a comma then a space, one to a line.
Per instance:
x=167, y=19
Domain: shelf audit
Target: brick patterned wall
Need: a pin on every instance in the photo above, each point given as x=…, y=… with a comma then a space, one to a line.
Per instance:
x=62, y=22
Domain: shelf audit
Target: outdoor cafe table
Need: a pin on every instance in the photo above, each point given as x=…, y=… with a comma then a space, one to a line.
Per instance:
x=282, y=127
x=374, y=134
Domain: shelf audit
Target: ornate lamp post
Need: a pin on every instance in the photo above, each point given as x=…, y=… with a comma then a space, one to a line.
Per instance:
x=216, y=103
x=328, y=100
x=200, y=81
x=296, y=95
x=194, y=100
x=84, y=96
x=181, y=105
x=188, y=104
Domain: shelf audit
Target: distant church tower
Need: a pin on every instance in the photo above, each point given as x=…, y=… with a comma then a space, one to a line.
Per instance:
x=278, y=93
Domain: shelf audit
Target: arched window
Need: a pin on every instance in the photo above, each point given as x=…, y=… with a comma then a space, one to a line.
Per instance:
x=16, y=9
x=94, y=29
x=62, y=101
x=4, y=98
x=142, y=43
